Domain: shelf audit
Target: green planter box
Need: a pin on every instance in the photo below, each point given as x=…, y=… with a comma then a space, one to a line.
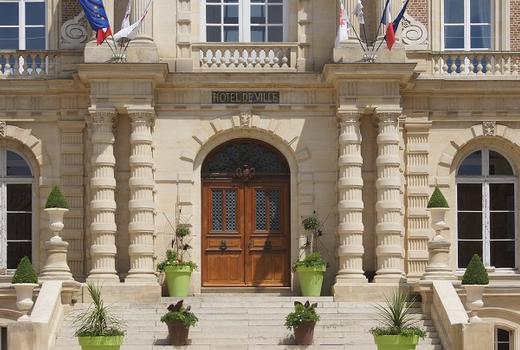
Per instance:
x=101, y=343
x=311, y=280
x=178, y=280
x=396, y=342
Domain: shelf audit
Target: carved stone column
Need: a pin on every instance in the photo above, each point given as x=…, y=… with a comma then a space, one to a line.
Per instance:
x=389, y=228
x=103, y=205
x=141, y=206
x=145, y=31
x=350, y=205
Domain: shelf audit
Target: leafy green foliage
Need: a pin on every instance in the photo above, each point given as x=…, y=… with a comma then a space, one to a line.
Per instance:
x=396, y=318
x=302, y=313
x=56, y=199
x=312, y=260
x=437, y=200
x=24, y=272
x=311, y=223
x=475, y=272
x=97, y=321
x=182, y=231
x=180, y=313
x=172, y=259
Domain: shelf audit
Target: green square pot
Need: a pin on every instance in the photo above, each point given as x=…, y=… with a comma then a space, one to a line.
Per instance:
x=396, y=342
x=101, y=343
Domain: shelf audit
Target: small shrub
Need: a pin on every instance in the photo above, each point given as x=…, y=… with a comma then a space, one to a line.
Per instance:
x=24, y=272
x=180, y=313
x=182, y=231
x=172, y=259
x=475, y=272
x=56, y=199
x=437, y=200
x=302, y=313
x=311, y=223
x=313, y=260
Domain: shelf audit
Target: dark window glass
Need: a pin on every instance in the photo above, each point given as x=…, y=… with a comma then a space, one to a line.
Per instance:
x=258, y=14
x=480, y=11
x=498, y=165
x=454, y=37
x=213, y=15
x=502, y=196
x=502, y=253
x=8, y=13
x=19, y=227
x=470, y=225
x=19, y=197
x=469, y=197
x=231, y=14
x=230, y=34
x=35, y=13
x=16, y=165
x=274, y=210
x=213, y=34
x=258, y=34
x=16, y=251
x=35, y=40
x=231, y=210
x=217, y=211
x=502, y=225
x=261, y=213
x=453, y=11
x=9, y=38
x=480, y=37
x=472, y=165
x=275, y=34
x=275, y=14
x=466, y=250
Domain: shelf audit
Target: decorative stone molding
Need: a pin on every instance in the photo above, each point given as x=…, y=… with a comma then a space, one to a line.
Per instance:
x=389, y=228
x=74, y=33
x=305, y=57
x=103, y=206
x=489, y=128
x=414, y=33
x=3, y=128
x=350, y=205
x=141, y=226
x=183, y=35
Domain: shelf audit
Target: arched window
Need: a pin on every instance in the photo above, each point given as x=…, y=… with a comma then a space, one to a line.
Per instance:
x=22, y=24
x=503, y=339
x=16, y=210
x=486, y=209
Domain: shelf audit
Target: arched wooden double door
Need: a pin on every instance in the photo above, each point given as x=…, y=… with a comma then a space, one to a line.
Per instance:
x=245, y=216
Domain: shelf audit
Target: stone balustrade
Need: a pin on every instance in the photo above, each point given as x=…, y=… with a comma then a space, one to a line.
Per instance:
x=478, y=64
x=245, y=56
x=38, y=64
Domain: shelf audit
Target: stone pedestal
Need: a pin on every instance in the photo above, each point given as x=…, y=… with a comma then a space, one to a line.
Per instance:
x=56, y=267
x=438, y=260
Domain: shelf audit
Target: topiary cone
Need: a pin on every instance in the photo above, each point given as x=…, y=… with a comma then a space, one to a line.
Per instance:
x=475, y=272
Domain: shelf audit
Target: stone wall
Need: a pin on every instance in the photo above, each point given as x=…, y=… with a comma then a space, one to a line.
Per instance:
x=419, y=10
x=515, y=25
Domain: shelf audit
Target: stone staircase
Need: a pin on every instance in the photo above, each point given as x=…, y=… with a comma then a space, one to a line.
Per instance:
x=247, y=321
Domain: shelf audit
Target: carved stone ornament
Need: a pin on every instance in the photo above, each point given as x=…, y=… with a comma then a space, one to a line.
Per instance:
x=245, y=173
x=245, y=119
x=74, y=32
x=414, y=34
x=3, y=128
x=489, y=128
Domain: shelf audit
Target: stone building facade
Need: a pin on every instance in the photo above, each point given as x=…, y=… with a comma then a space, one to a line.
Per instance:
x=364, y=143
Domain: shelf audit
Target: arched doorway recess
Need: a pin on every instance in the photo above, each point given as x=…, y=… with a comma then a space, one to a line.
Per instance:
x=245, y=216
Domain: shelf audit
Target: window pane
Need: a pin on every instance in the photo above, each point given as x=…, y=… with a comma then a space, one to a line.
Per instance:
x=19, y=226
x=16, y=165
x=231, y=210
x=213, y=14
x=213, y=34
x=258, y=14
x=503, y=346
x=503, y=254
x=480, y=11
x=502, y=335
x=275, y=15
x=472, y=165
x=498, y=165
x=35, y=38
x=274, y=210
x=231, y=14
x=469, y=225
x=453, y=11
x=19, y=197
x=9, y=38
x=8, y=13
x=260, y=211
x=230, y=34
x=216, y=210
x=467, y=250
x=480, y=37
x=35, y=13
x=502, y=225
x=502, y=196
x=469, y=197
x=275, y=34
x=258, y=34
x=454, y=37
x=16, y=251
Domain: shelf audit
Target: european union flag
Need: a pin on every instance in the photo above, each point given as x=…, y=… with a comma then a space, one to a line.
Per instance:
x=97, y=17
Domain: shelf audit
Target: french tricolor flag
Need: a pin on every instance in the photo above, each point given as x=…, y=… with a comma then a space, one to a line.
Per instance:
x=391, y=26
x=97, y=18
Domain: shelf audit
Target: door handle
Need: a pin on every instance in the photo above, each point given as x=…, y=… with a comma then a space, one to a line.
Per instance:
x=223, y=246
x=268, y=245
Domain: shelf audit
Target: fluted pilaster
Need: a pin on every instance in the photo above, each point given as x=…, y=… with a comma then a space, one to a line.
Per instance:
x=389, y=228
x=103, y=205
x=141, y=206
x=350, y=205
x=145, y=31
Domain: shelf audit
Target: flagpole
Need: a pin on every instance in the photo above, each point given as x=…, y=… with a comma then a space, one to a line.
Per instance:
x=380, y=22
x=359, y=39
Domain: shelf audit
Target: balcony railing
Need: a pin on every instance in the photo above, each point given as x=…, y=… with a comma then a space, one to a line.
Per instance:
x=38, y=64
x=245, y=56
x=475, y=64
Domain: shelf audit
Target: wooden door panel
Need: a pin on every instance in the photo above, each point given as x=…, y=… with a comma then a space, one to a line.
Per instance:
x=269, y=269
x=224, y=269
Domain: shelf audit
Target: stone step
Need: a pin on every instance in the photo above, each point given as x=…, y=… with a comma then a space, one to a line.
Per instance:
x=251, y=347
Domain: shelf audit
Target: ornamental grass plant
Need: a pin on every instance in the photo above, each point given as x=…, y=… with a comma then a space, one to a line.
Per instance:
x=24, y=272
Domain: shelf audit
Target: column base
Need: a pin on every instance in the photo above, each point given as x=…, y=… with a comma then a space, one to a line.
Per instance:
x=102, y=277
x=390, y=278
x=350, y=278
x=94, y=53
x=438, y=274
x=56, y=266
x=141, y=278
x=142, y=51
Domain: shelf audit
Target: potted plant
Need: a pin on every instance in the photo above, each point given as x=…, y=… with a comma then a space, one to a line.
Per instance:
x=474, y=281
x=310, y=270
x=96, y=328
x=398, y=330
x=438, y=206
x=302, y=320
x=56, y=206
x=178, y=270
x=179, y=319
x=24, y=281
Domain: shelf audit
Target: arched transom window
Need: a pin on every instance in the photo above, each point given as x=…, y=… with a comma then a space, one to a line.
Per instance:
x=486, y=209
x=16, y=181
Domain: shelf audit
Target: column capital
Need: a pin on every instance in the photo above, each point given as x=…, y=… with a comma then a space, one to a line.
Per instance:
x=388, y=116
x=137, y=113
x=105, y=115
x=348, y=115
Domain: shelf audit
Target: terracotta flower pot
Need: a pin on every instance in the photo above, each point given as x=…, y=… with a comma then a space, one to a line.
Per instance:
x=178, y=333
x=304, y=333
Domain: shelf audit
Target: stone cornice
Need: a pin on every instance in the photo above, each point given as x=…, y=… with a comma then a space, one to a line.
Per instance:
x=155, y=72
x=402, y=72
